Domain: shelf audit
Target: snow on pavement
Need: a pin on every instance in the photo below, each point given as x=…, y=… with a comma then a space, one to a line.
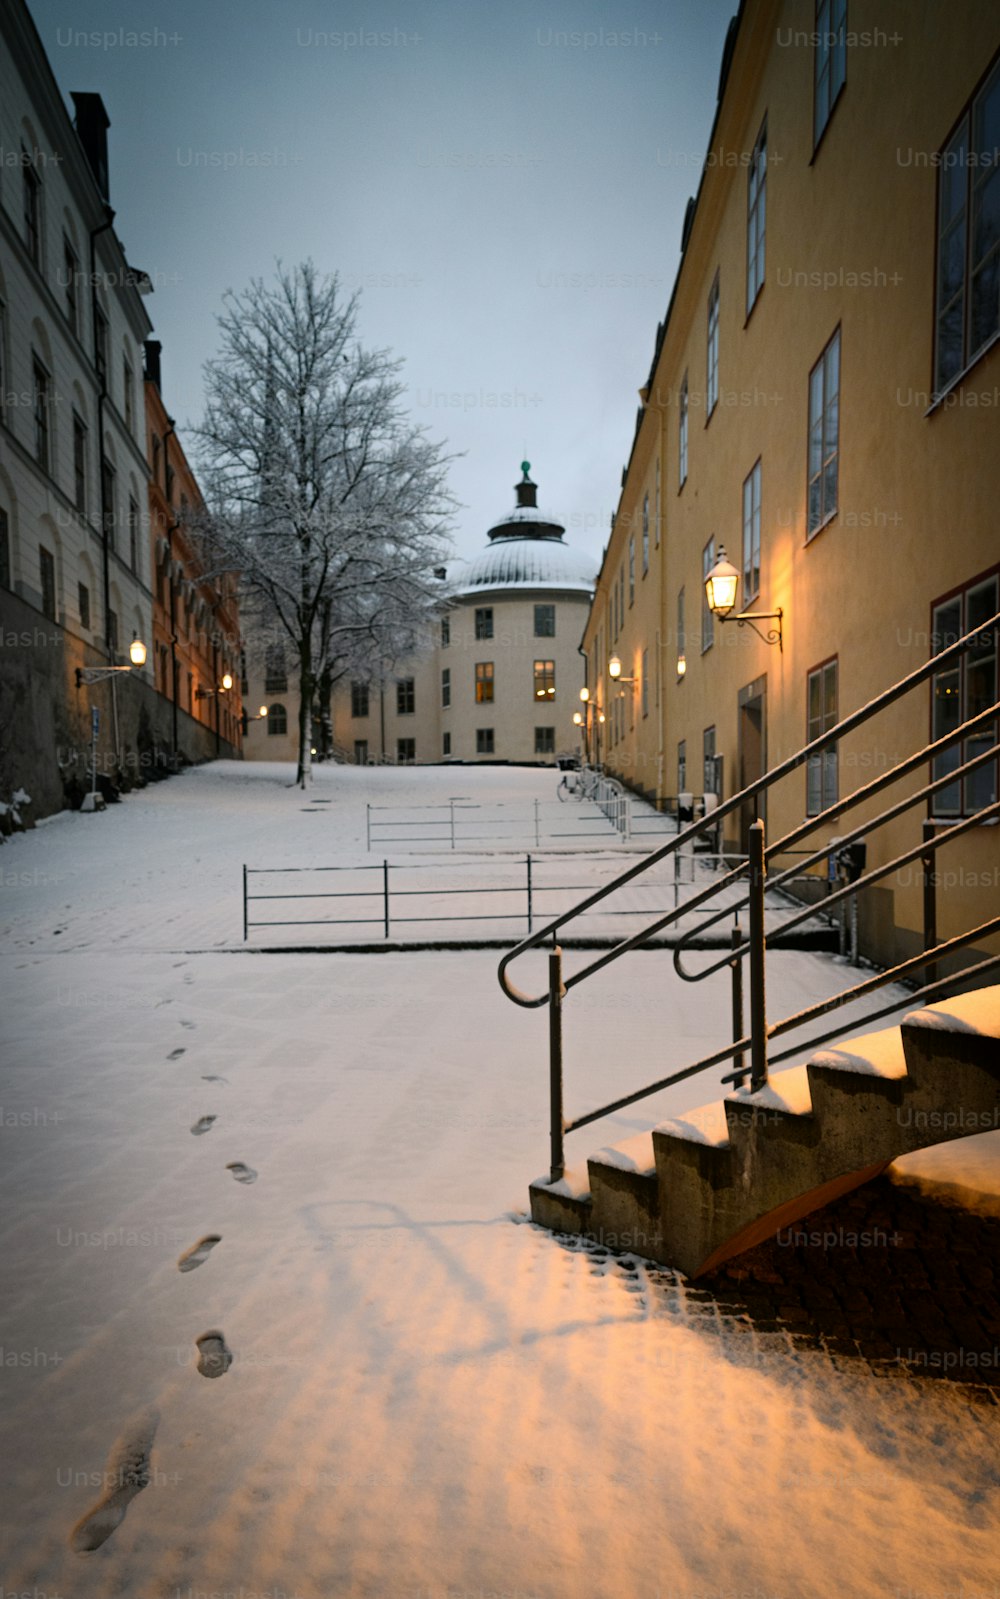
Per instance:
x=425, y=1397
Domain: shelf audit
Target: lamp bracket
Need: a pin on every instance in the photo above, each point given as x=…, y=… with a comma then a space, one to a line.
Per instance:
x=751, y=618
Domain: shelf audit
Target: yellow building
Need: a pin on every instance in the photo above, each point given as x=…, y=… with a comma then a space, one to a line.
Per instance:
x=822, y=403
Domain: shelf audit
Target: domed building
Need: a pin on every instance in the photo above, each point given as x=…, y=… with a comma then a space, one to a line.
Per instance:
x=502, y=677
x=511, y=671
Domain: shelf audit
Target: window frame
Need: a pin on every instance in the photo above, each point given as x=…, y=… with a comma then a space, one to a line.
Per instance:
x=406, y=750
x=484, y=683
x=827, y=513
x=483, y=622
x=445, y=687
x=708, y=559
x=360, y=701
x=682, y=434
x=545, y=632
x=824, y=31
x=545, y=745
x=406, y=696
x=485, y=741
x=48, y=583
x=960, y=752
x=41, y=390
x=544, y=673
x=80, y=484
x=645, y=533
x=827, y=761
x=712, y=350
x=31, y=211
x=756, y=229
x=750, y=574
x=280, y=723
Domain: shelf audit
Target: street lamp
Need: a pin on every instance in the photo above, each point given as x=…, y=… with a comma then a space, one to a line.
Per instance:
x=682, y=665
x=721, y=585
x=615, y=671
x=98, y=674
x=212, y=693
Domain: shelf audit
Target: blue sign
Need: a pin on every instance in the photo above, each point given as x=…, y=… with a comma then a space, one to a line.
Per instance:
x=95, y=720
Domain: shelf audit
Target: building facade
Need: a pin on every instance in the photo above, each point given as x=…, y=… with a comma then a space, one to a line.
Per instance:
x=822, y=404
x=76, y=571
x=498, y=678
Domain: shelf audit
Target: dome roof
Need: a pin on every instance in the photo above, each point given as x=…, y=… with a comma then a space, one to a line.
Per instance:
x=526, y=551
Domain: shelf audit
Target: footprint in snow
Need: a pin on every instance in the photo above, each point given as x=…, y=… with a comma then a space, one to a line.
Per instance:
x=199, y=1252
x=242, y=1172
x=214, y=1357
x=191, y=1025
x=211, y=1077
x=125, y=1475
x=175, y=1054
x=203, y=1124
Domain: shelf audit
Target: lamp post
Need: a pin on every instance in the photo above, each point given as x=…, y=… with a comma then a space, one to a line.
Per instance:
x=721, y=586
x=216, y=694
x=85, y=675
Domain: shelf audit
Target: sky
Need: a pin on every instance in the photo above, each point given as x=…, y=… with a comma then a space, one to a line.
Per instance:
x=505, y=184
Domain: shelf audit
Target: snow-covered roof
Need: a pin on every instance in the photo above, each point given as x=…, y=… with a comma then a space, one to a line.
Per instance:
x=526, y=563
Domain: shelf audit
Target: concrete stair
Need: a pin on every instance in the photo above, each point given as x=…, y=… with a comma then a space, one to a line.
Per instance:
x=699, y=1189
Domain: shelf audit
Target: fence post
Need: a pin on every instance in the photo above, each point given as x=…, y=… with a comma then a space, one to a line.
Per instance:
x=385, y=894
x=736, y=968
x=527, y=861
x=538, y=841
x=556, y=1124
x=451, y=810
x=368, y=827
x=758, y=946
x=244, y=903
x=928, y=863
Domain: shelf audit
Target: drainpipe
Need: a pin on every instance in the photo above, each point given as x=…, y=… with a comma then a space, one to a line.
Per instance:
x=171, y=530
x=102, y=395
x=587, y=711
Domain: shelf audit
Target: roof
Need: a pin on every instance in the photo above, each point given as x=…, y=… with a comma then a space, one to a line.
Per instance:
x=526, y=563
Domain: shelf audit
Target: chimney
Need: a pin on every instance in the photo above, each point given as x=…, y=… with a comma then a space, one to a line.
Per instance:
x=527, y=491
x=151, y=365
x=92, y=124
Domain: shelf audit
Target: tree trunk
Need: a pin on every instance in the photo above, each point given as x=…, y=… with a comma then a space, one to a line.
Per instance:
x=304, y=774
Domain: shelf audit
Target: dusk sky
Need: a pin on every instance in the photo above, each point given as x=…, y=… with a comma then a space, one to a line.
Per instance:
x=505, y=185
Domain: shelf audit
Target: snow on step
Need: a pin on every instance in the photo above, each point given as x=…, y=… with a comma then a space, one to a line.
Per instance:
x=632, y=1154
x=977, y=1013
x=573, y=1184
x=706, y=1125
x=873, y=1054
x=786, y=1091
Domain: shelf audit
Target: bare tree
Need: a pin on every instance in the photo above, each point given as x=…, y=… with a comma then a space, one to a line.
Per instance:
x=330, y=502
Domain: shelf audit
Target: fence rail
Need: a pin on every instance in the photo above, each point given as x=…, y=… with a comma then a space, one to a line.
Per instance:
x=605, y=815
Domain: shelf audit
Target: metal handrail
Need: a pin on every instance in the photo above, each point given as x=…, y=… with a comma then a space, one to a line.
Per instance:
x=755, y=869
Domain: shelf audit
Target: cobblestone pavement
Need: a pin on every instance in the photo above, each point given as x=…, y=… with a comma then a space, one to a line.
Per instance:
x=904, y=1282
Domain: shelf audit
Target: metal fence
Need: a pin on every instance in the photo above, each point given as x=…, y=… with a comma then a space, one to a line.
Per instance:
x=462, y=822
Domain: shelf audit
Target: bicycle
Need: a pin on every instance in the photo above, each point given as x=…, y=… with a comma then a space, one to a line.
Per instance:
x=578, y=784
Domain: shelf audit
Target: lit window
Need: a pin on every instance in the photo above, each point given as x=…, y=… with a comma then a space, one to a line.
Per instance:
x=545, y=680
x=484, y=682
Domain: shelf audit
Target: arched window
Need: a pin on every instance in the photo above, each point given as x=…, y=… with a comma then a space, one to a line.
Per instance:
x=277, y=720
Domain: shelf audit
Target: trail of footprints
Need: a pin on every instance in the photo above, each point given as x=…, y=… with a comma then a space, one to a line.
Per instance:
x=127, y=1471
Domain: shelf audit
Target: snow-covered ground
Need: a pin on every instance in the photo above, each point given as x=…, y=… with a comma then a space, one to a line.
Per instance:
x=424, y=1397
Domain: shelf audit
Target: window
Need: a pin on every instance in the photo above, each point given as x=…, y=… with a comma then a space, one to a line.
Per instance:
x=545, y=680
x=545, y=621
x=32, y=198
x=682, y=766
x=156, y=458
x=545, y=740
x=101, y=344
x=71, y=270
x=4, y=551
x=446, y=687
x=359, y=699
x=445, y=632
x=824, y=435
x=361, y=752
x=133, y=534
x=830, y=64
x=968, y=243
x=484, y=741
x=707, y=619
x=712, y=375
x=128, y=385
x=83, y=599
x=756, y=216
x=484, y=622
x=645, y=534
x=79, y=465
x=41, y=402
x=644, y=682
x=275, y=670
x=682, y=435
x=751, y=535
x=681, y=629
x=656, y=518
x=710, y=763
x=108, y=501
x=631, y=570
x=821, y=712
x=406, y=751
x=406, y=696
x=277, y=721
x=446, y=744
x=484, y=682
x=47, y=572
x=113, y=641
x=963, y=690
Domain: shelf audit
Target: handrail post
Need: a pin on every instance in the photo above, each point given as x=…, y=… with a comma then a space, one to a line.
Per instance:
x=451, y=810
x=385, y=894
x=758, y=947
x=244, y=903
x=736, y=968
x=556, y=1123
x=527, y=862
x=538, y=840
x=928, y=863
x=368, y=828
